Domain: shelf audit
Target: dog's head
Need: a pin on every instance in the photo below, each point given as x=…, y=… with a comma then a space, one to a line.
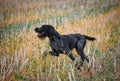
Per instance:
x=45, y=31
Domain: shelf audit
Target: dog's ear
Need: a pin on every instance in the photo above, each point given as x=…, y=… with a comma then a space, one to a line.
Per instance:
x=56, y=36
x=53, y=32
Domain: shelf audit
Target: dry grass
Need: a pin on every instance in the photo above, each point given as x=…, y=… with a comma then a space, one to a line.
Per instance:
x=22, y=55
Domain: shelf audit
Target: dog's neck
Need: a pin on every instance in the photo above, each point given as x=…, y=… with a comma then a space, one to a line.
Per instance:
x=56, y=39
x=54, y=35
x=53, y=38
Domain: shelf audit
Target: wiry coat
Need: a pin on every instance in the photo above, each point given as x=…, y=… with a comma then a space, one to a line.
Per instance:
x=64, y=43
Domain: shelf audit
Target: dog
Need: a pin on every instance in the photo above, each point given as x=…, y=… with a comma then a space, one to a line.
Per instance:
x=64, y=43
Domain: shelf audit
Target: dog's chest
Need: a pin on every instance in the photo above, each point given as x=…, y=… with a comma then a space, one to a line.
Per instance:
x=55, y=45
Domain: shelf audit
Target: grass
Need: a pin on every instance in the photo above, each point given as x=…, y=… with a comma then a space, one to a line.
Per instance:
x=21, y=52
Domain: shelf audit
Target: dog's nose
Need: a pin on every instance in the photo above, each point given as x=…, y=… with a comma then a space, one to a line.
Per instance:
x=36, y=29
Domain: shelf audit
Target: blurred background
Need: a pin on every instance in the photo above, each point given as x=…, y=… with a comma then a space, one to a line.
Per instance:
x=21, y=52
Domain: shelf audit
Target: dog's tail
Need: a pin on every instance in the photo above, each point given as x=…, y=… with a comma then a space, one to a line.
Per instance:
x=90, y=38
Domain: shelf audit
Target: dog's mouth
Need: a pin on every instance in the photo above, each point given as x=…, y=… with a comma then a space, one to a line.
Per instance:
x=41, y=34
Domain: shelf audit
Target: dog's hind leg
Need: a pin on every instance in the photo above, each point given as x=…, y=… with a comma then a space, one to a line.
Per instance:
x=80, y=50
x=83, y=57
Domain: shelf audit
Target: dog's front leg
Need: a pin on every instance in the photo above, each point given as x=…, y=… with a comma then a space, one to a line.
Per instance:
x=71, y=56
x=69, y=53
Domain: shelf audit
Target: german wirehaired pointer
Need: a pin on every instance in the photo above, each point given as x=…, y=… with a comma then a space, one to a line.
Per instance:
x=64, y=43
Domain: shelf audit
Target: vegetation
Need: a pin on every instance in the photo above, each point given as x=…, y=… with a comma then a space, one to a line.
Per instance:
x=22, y=53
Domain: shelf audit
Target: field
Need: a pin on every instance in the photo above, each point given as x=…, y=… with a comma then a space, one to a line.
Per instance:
x=22, y=53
